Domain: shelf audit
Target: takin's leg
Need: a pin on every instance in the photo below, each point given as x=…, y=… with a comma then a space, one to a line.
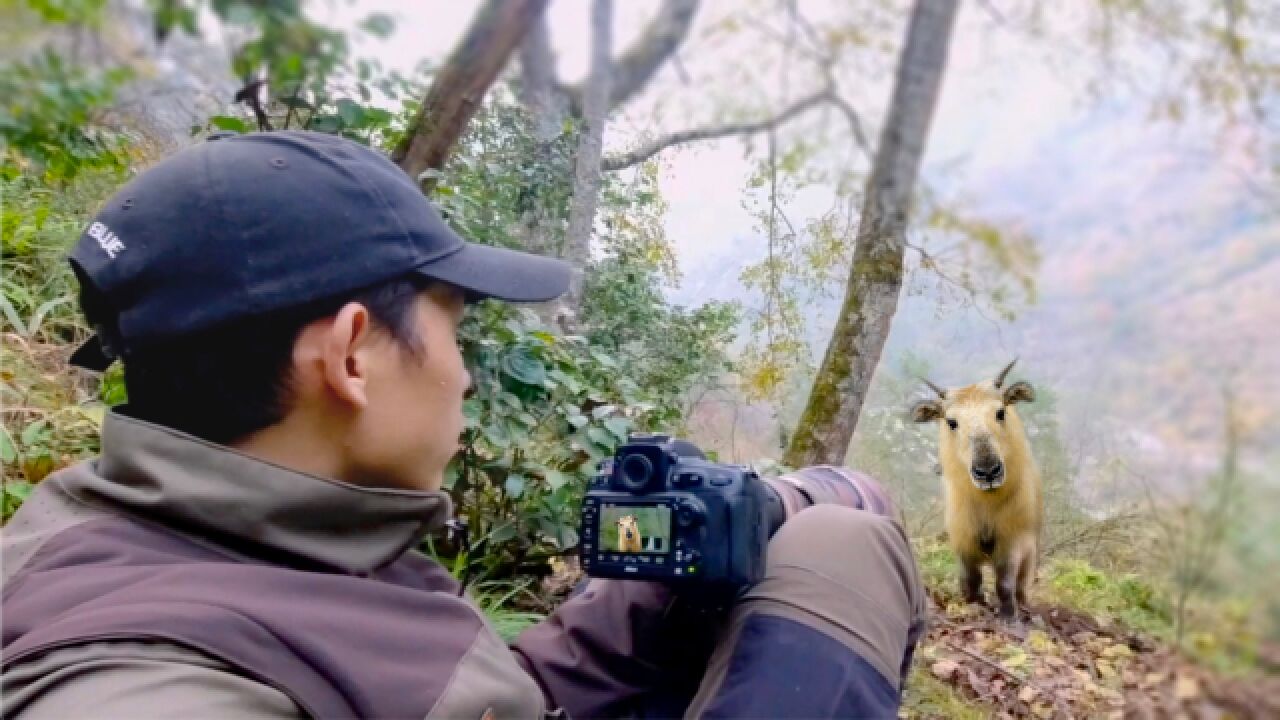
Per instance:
x=1006, y=585
x=971, y=580
x=1027, y=573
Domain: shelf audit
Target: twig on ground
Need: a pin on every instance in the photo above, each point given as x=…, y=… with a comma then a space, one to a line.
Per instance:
x=1057, y=701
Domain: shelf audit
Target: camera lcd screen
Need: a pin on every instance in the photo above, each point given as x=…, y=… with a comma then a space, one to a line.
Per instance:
x=635, y=529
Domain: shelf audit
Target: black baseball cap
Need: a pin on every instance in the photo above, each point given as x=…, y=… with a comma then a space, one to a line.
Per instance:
x=244, y=225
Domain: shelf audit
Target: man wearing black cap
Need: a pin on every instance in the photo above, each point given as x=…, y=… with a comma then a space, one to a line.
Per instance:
x=285, y=305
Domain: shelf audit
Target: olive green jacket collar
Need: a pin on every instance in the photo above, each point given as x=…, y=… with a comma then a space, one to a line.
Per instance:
x=202, y=488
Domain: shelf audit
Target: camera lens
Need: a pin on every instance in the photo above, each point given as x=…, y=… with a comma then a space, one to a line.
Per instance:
x=635, y=472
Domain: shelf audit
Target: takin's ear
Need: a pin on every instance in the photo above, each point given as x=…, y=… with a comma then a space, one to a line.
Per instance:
x=926, y=410
x=1020, y=391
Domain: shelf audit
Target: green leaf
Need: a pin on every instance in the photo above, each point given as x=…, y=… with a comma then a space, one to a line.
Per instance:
x=568, y=381
x=577, y=421
x=619, y=426
x=450, y=476
x=351, y=113
x=518, y=433
x=515, y=485
x=19, y=488
x=8, y=453
x=497, y=435
x=522, y=365
x=377, y=117
x=568, y=537
x=603, y=410
x=326, y=123
x=555, y=479
x=229, y=122
x=379, y=24
x=503, y=533
x=601, y=437
x=471, y=410
x=31, y=434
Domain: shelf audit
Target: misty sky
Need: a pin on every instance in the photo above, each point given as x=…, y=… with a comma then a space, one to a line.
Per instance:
x=1010, y=130
x=1015, y=138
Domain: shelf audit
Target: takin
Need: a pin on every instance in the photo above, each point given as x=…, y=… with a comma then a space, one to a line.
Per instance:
x=994, y=505
x=629, y=540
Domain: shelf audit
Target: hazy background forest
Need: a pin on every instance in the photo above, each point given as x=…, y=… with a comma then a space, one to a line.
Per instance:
x=1096, y=195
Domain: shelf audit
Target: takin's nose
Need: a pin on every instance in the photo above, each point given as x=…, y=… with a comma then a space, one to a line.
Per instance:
x=987, y=472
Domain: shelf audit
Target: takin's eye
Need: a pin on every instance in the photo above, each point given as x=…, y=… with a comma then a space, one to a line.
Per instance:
x=952, y=422
x=1000, y=414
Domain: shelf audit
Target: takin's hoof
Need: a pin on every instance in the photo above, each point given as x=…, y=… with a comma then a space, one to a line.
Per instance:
x=1014, y=626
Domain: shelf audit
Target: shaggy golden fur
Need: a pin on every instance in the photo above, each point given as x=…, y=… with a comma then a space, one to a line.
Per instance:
x=988, y=522
x=629, y=535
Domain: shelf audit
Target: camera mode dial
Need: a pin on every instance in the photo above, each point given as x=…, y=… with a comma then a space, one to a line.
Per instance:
x=690, y=513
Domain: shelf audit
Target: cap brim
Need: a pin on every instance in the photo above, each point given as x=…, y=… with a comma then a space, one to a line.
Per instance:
x=92, y=356
x=484, y=271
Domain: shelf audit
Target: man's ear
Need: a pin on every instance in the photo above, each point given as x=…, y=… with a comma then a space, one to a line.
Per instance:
x=1020, y=391
x=926, y=410
x=344, y=353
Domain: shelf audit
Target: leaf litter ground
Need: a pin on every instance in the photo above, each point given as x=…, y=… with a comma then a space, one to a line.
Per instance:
x=1065, y=664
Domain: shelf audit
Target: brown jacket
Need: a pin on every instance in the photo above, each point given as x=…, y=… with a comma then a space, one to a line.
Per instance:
x=232, y=533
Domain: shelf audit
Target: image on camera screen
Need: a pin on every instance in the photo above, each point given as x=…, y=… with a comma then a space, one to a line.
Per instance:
x=635, y=529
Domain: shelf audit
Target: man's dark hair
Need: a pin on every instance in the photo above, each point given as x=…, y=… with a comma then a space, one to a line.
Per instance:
x=227, y=383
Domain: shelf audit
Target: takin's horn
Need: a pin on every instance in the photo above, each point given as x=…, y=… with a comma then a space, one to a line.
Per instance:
x=1005, y=372
x=941, y=393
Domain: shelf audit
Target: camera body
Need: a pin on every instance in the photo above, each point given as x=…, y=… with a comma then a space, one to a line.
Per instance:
x=659, y=510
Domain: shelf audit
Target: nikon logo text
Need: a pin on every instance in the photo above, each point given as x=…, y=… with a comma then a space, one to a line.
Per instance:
x=107, y=240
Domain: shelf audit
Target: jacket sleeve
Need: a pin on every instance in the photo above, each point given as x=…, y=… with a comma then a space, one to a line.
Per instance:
x=131, y=679
x=615, y=646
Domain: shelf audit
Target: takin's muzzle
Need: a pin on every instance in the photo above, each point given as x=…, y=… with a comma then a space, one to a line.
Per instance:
x=987, y=473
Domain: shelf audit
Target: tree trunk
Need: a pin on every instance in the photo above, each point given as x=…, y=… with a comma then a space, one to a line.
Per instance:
x=631, y=72
x=546, y=103
x=587, y=178
x=461, y=84
x=540, y=231
x=875, y=278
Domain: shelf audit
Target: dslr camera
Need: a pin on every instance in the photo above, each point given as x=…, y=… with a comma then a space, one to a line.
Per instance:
x=659, y=510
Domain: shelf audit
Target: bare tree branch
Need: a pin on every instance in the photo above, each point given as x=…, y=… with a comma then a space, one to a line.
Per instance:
x=251, y=95
x=993, y=11
x=828, y=95
x=460, y=86
x=822, y=97
x=641, y=61
x=855, y=122
x=770, y=32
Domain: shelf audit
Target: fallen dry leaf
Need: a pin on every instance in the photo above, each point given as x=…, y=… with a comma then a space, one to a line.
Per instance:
x=1117, y=651
x=1186, y=688
x=1027, y=695
x=944, y=669
x=1040, y=642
